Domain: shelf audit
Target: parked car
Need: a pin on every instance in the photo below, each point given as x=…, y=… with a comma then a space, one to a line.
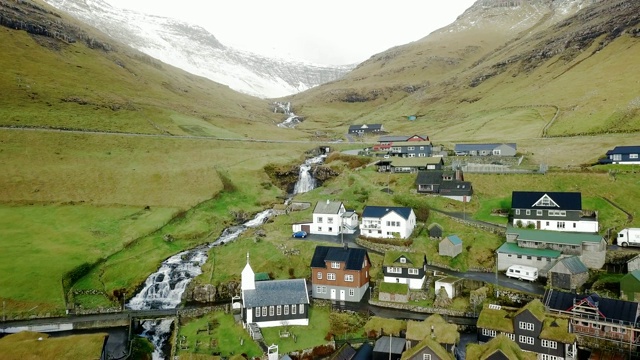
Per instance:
x=300, y=234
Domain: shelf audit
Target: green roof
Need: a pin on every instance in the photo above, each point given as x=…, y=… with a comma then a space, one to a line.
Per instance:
x=496, y=319
x=500, y=343
x=557, y=329
x=416, y=259
x=535, y=307
x=441, y=352
x=394, y=288
x=445, y=333
x=513, y=248
x=556, y=237
x=262, y=276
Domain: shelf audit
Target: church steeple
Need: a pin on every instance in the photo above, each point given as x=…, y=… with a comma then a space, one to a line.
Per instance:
x=248, y=277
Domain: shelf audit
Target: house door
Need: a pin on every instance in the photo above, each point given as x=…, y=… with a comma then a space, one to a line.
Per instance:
x=333, y=294
x=342, y=295
x=538, y=224
x=306, y=228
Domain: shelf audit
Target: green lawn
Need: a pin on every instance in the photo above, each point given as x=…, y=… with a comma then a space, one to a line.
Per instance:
x=43, y=242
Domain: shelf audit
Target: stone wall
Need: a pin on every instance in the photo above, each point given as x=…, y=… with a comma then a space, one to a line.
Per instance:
x=398, y=298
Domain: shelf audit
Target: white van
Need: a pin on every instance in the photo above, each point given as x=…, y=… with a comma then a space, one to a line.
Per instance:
x=522, y=272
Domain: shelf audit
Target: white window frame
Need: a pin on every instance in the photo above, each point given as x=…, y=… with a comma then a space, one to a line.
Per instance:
x=549, y=344
x=331, y=276
x=523, y=325
x=489, y=332
x=286, y=309
x=517, y=211
x=403, y=260
x=335, y=265
x=318, y=289
x=301, y=309
x=293, y=309
x=319, y=219
x=352, y=292
x=264, y=311
x=279, y=310
x=633, y=156
x=348, y=277
x=523, y=339
x=271, y=310
x=319, y=275
x=258, y=311
x=426, y=356
x=394, y=270
x=510, y=336
x=413, y=271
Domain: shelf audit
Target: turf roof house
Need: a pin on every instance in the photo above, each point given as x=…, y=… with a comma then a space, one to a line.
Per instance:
x=410, y=164
x=622, y=155
x=542, y=248
x=365, y=129
x=340, y=273
x=596, y=317
x=486, y=149
x=330, y=218
x=405, y=268
x=498, y=348
x=435, y=328
x=530, y=328
x=387, y=222
x=558, y=211
x=273, y=302
x=449, y=184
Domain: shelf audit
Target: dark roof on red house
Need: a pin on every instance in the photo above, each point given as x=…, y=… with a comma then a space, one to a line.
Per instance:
x=611, y=309
x=565, y=200
x=353, y=258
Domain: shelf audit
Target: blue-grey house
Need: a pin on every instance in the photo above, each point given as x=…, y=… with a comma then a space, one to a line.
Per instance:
x=622, y=155
x=504, y=149
x=365, y=129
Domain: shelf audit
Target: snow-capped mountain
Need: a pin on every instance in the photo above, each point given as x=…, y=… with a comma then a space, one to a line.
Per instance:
x=194, y=49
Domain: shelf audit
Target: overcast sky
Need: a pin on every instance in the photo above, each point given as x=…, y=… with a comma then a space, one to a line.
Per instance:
x=324, y=32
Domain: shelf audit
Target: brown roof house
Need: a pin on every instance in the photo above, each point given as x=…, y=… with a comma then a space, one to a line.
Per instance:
x=450, y=246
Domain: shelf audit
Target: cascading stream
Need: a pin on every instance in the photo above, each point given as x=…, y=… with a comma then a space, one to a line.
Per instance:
x=306, y=182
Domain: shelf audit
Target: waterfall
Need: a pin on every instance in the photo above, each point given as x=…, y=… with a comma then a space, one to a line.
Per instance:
x=164, y=288
x=292, y=119
x=306, y=181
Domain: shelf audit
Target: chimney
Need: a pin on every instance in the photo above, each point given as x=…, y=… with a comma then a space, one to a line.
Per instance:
x=328, y=201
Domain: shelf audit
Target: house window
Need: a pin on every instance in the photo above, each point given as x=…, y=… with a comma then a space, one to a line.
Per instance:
x=426, y=356
x=617, y=157
x=560, y=225
x=548, y=357
x=319, y=275
x=293, y=309
x=488, y=332
x=330, y=220
x=539, y=258
x=403, y=260
x=528, y=257
x=549, y=344
x=319, y=219
x=324, y=289
x=528, y=212
x=496, y=152
x=410, y=148
x=264, y=311
x=352, y=292
x=318, y=289
x=539, y=212
x=526, y=339
x=286, y=309
x=348, y=278
x=258, y=312
x=301, y=309
x=395, y=270
x=413, y=271
x=331, y=276
x=633, y=156
x=279, y=310
x=510, y=336
x=519, y=256
x=574, y=225
x=517, y=211
x=526, y=326
x=335, y=265
x=270, y=310
x=547, y=223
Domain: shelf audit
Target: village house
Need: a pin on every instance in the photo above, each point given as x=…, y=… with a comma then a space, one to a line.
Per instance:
x=427, y=349
x=387, y=222
x=330, y=218
x=410, y=164
x=540, y=248
x=433, y=327
x=340, y=273
x=530, y=328
x=388, y=348
x=558, y=211
x=405, y=268
x=449, y=184
x=485, y=149
x=568, y=273
x=595, y=316
x=500, y=348
x=622, y=155
x=273, y=302
x=451, y=285
x=633, y=263
x=365, y=129
x=450, y=246
x=386, y=142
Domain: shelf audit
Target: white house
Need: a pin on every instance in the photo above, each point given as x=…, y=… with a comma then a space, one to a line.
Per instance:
x=330, y=218
x=450, y=284
x=387, y=222
x=557, y=211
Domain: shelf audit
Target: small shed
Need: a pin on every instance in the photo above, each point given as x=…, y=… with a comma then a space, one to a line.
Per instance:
x=450, y=246
x=633, y=264
x=435, y=231
x=388, y=348
x=452, y=285
x=568, y=273
x=630, y=286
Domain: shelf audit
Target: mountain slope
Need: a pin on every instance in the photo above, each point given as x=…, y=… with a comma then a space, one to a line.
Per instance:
x=193, y=49
x=499, y=72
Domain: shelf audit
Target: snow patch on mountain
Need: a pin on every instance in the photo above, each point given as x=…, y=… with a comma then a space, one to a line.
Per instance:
x=193, y=49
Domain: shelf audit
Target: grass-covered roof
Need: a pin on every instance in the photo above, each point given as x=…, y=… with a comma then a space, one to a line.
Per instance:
x=432, y=344
x=445, y=333
x=394, y=288
x=557, y=329
x=33, y=345
x=536, y=308
x=414, y=259
x=496, y=319
x=500, y=343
